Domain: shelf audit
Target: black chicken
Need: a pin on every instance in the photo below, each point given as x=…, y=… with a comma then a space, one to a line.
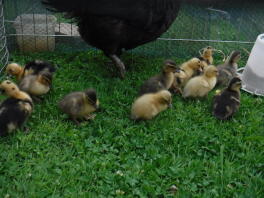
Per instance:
x=114, y=25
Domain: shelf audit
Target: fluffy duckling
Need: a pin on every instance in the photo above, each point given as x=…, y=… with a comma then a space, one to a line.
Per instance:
x=227, y=102
x=161, y=81
x=16, y=70
x=80, y=105
x=15, y=110
x=207, y=55
x=33, y=67
x=36, y=84
x=190, y=68
x=149, y=105
x=179, y=78
x=199, y=86
x=228, y=70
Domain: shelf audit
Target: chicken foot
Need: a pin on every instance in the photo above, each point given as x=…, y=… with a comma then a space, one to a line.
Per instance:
x=120, y=65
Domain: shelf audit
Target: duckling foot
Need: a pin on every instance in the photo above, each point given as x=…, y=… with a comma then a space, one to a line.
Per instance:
x=175, y=90
x=75, y=121
x=120, y=65
x=37, y=99
x=89, y=117
x=26, y=130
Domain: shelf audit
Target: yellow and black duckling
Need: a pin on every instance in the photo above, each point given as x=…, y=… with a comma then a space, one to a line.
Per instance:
x=33, y=67
x=190, y=68
x=15, y=110
x=228, y=70
x=16, y=70
x=149, y=105
x=227, y=102
x=199, y=86
x=161, y=81
x=80, y=105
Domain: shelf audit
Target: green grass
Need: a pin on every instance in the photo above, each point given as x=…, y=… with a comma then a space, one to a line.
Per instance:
x=183, y=146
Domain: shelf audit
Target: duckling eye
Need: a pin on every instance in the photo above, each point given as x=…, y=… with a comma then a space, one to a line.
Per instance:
x=13, y=88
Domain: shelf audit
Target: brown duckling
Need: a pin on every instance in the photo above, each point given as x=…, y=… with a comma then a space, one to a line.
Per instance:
x=207, y=55
x=177, y=84
x=199, y=86
x=149, y=105
x=36, y=84
x=161, y=81
x=80, y=105
x=15, y=110
x=227, y=102
x=228, y=70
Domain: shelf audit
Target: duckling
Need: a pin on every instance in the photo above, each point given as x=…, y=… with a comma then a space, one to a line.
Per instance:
x=80, y=105
x=199, y=86
x=16, y=70
x=149, y=105
x=190, y=68
x=39, y=66
x=228, y=70
x=160, y=81
x=176, y=86
x=207, y=55
x=33, y=67
x=15, y=110
x=226, y=103
x=36, y=84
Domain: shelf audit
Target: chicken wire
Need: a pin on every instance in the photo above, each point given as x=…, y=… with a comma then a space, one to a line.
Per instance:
x=225, y=27
x=3, y=43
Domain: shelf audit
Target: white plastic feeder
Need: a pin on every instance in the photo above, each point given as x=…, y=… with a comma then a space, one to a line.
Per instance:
x=33, y=32
x=253, y=74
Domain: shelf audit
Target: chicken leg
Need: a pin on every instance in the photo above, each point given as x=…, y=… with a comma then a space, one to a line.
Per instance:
x=120, y=65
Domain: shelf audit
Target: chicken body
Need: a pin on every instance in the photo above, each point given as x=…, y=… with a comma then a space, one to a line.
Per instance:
x=121, y=24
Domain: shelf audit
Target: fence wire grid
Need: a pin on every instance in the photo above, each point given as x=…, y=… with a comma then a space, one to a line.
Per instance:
x=30, y=27
x=3, y=42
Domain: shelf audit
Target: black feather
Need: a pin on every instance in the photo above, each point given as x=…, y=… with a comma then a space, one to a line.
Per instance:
x=38, y=66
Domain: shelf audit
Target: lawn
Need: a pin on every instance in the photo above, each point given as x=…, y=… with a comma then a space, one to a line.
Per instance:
x=113, y=156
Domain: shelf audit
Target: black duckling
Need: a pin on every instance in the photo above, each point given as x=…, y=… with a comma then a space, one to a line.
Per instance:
x=80, y=105
x=228, y=70
x=149, y=105
x=161, y=81
x=33, y=67
x=227, y=102
x=15, y=110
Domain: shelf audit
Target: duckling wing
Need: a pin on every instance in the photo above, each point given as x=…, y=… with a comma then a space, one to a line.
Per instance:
x=72, y=103
x=152, y=85
x=204, y=84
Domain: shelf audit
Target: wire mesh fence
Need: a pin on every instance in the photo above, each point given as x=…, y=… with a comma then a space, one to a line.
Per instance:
x=30, y=27
x=3, y=43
